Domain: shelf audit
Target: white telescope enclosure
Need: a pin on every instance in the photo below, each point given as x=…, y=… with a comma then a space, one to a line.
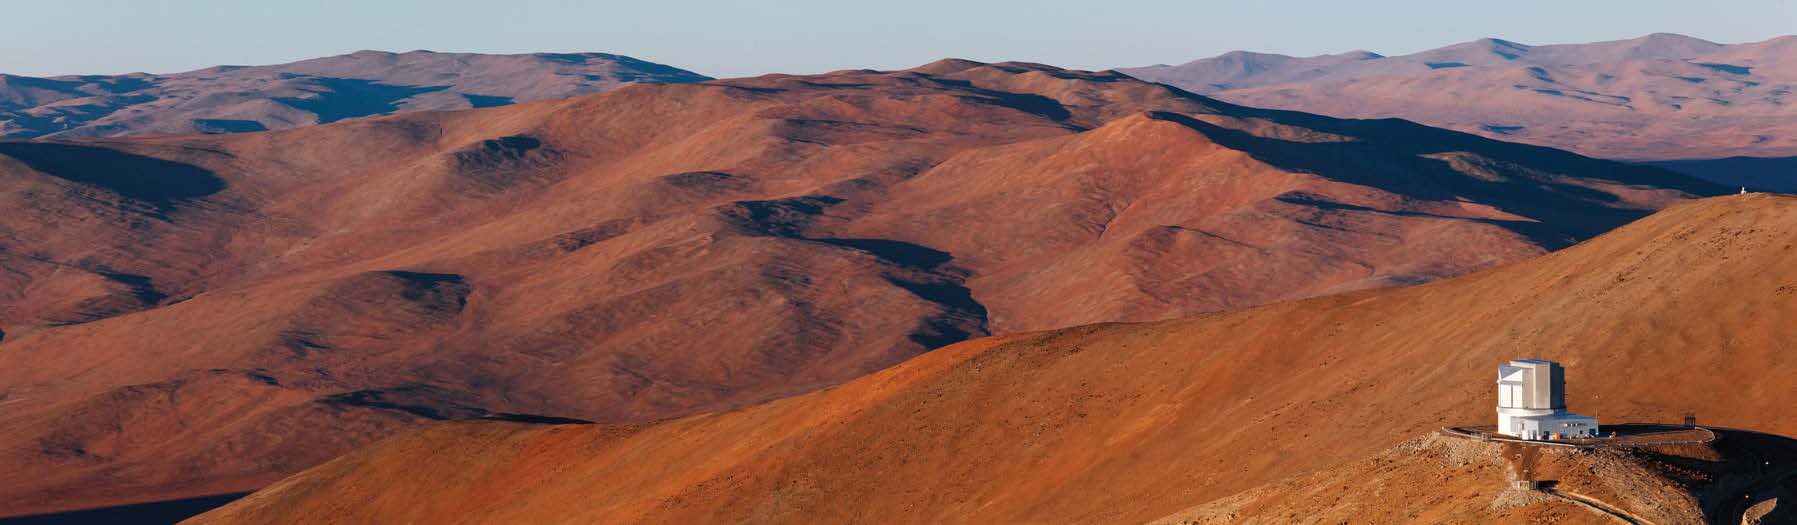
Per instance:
x=1532, y=402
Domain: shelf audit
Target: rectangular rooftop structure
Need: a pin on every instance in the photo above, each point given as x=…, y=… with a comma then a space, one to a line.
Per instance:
x=1531, y=402
x=1532, y=383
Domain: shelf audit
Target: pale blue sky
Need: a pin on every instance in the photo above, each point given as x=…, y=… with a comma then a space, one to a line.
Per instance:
x=736, y=38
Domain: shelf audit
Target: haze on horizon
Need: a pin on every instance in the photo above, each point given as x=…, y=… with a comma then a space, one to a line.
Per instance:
x=729, y=38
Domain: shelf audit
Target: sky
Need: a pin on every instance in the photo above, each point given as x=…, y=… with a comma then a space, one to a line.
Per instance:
x=728, y=38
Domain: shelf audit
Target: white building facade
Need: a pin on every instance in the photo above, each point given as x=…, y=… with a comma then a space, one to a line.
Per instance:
x=1532, y=402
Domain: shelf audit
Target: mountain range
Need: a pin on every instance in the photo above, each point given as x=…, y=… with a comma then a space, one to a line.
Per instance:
x=1659, y=97
x=206, y=314
x=1324, y=409
x=227, y=99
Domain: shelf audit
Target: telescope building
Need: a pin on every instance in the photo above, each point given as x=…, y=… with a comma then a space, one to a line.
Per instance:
x=1532, y=402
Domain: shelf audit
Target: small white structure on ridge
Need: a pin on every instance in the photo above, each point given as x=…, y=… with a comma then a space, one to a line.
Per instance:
x=1532, y=402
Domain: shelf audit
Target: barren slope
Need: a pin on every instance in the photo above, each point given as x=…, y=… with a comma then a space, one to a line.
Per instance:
x=1133, y=422
x=1441, y=479
x=1657, y=97
x=232, y=99
x=660, y=250
x=1246, y=69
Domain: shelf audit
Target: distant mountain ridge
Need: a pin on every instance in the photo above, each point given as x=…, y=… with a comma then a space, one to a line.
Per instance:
x=1245, y=69
x=662, y=250
x=227, y=99
x=1237, y=69
x=1658, y=97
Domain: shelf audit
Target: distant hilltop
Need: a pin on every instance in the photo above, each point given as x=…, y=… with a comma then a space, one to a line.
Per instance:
x=1657, y=97
x=227, y=99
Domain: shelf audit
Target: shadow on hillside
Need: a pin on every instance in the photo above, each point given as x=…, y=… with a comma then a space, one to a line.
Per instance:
x=1749, y=468
x=925, y=272
x=1406, y=137
x=1031, y=103
x=156, y=512
x=132, y=293
x=421, y=400
x=535, y=419
x=345, y=98
x=486, y=101
x=931, y=278
x=1754, y=173
x=225, y=125
x=1391, y=156
x=157, y=181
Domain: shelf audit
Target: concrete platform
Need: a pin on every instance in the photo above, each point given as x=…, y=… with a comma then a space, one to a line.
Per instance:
x=1627, y=435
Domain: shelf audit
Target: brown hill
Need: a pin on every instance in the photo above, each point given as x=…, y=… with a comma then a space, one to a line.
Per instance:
x=1438, y=479
x=1657, y=97
x=1133, y=422
x=194, y=315
x=231, y=99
